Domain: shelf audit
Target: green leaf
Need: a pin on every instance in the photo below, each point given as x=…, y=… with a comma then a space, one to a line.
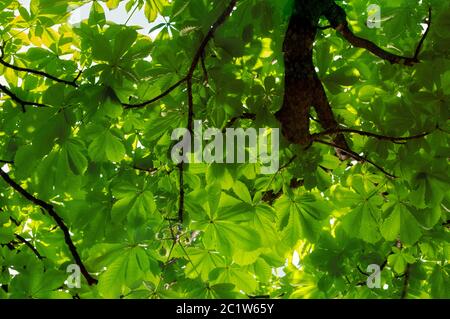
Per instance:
x=241, y=191
x=123, y=41
x=136, y=206
x=440, y=282
x=152, y=8
x=445, y=79
x=101, y=48
x=219, y=173
x=402, y=225
x=106, y=147
x=75, y=155
x=97, y=14
x=362, y=222
x=111, y=282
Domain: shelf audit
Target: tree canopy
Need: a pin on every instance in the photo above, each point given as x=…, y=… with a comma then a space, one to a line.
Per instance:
x=86, y=116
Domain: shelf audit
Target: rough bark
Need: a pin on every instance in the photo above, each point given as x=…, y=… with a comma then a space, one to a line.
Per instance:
x=303, y=88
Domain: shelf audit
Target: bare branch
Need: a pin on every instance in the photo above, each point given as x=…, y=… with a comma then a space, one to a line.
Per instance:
x=243, y=116
x=359, y=42
x=197, y=57
x=356, y=157
x=369, y=134
x=221, y=20
x=325, y=27
x=150, y=171
x=36, y=72
x=422, y=40
x=59, y=221
x=29, y=245
x=181, y=195
x=362, y=272
x=18, y=100
x=405, y=288
x=156, y=98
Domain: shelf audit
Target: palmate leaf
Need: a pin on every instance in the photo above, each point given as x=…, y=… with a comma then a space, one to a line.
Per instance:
x=203, y=261
x=106, y=147
x=224, y=291
x=301, y=217
x=401, y=224
x=238, y=276
x=399, y=260
x=135, y=205
x=428, y=189
x=129, y=267
x=226, y=235
x=363, y=222
x=37, y=283
x=53, y=127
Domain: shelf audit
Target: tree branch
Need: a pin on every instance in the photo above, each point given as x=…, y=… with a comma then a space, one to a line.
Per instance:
x=363, y=133
x=359, y=42
x=197, y=57
x=361, y=271
x=156, y=98
x=405, y=288
x=18, y=100
x=270, y=196
x=325, y=27
x=59, y=221
x=221, y=20
x=243, y=116
x=181, y=194
x=10, y=246
x=36, y=72
x=150, y=171
x=356, y=157
x=29, y=245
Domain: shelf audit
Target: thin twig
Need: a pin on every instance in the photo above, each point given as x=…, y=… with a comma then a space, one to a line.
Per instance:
x=405, y=288
x=156, y=98
x=150, y=171
x=356, y=157
x=243, y=116
x=369, y=134
x=197, y=57
x=422, y=40
x=181, y=193
x=362, y=272
x=325, y=27
x=29, y=245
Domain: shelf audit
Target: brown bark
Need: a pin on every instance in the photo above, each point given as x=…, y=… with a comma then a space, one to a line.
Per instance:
x=303, y=88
